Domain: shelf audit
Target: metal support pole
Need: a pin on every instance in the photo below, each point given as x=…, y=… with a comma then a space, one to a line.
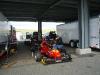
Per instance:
x=83, y=24
x=39, y=31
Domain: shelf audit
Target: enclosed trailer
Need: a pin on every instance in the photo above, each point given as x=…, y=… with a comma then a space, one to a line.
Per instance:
x=70, y=33
x=4, y=32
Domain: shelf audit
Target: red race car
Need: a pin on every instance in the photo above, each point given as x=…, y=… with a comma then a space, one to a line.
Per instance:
x=47, y=55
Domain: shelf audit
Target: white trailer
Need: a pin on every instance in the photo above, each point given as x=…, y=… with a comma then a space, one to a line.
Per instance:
x=70, y=33
x=4, y=29
x=4, y=32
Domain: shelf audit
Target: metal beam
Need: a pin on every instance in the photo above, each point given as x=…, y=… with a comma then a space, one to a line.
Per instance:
x=24, y=5
x=54, y=4
x=21, y=9
x=19, y=15
x=48, y=19
x=68, y=5
x=24, y=2
x=21, y=19
x=19, y=12
x=32, y=10
x=70, y=1
x=51, y=6
x=52, y=14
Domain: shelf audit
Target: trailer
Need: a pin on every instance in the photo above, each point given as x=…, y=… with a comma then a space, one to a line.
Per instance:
x=4, y=32
x=70, y=33
x=8, y=41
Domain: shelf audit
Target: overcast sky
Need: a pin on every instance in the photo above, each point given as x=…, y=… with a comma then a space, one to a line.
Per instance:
x=34, y=25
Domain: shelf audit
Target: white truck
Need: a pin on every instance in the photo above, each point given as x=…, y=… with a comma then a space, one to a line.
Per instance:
x=70, y=33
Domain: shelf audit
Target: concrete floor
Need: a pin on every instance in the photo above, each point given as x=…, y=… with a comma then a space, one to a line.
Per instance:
x=25, y=65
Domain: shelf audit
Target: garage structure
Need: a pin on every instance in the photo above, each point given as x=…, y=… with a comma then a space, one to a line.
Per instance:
x=55, y=10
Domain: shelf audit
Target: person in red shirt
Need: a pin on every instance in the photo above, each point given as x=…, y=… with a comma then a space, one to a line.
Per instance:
x=44, y=47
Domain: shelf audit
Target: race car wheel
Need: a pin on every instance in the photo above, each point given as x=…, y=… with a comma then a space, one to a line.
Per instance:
x=37, y=57
x=67, y=58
